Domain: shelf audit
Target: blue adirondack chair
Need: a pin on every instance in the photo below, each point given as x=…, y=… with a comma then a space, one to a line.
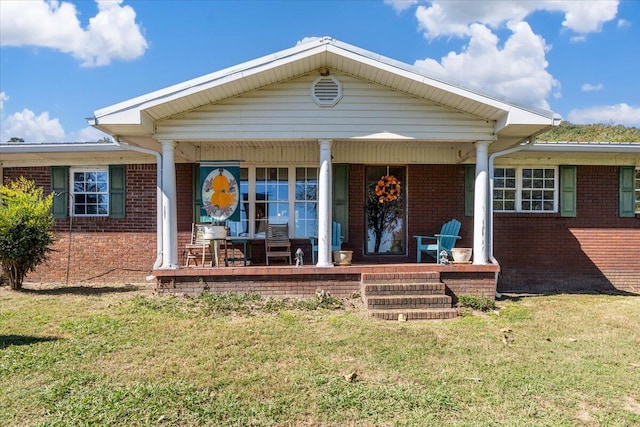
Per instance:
x=336, y=241
x=445, y=241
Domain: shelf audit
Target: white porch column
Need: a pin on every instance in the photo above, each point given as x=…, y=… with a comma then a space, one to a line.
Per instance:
x=169, y=206
x=481, y=200
x=324, y=205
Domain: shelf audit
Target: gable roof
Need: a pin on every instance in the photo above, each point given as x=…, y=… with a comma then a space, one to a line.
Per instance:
x=133, y=120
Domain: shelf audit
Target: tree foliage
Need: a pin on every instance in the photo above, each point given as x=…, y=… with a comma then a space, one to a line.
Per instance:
x=591, y=133
x=26, y=229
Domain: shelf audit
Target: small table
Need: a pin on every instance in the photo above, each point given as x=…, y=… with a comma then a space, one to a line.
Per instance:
x=214, y=249
x=234, y=243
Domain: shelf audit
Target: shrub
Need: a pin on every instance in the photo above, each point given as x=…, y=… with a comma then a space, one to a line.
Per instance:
x=26, y=229
x=476, y=302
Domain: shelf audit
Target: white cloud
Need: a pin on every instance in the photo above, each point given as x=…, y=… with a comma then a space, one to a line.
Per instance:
x=307, y=40
x=623, y=23
x=3, y=97
x=88, y=134
x=448, y=18
x=622, y=114
x=588, y=87
x=517, y=72
x=31, y=128
x=111, y=34
x=401, y=5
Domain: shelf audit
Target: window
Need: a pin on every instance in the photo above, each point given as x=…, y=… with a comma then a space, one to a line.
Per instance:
x=306, y=204
x=272, y=197
x=638, y=190
x=525, y=190
x=504, y=189
x=90, y=191
x=270, y=194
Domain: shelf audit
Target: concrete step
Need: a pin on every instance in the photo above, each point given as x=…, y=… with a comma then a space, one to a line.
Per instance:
x=389, y=302
x=416, y=314
x=423, y=288
x=386, y=278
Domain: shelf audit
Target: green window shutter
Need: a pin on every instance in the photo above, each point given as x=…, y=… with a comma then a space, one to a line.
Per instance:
x=341, y=197
x=568, y=191
x=197, y=194
x=117, y=191
x=469, y=188
x=627, y=191
x=60, y=187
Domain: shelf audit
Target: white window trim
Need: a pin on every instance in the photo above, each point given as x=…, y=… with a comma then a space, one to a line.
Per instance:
x=291, y=189
x=72, y=192
x=519, y=188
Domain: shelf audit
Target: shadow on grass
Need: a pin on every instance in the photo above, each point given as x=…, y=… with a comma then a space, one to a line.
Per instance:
x=9, y=340
x=516, y=296
x=81, y=290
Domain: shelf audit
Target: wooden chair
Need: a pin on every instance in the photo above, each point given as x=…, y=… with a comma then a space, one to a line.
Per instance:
x=198, y=246
x=336, y=241
x=445, y=241
x=277, y=244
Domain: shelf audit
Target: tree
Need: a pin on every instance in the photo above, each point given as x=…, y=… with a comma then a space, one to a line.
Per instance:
x=15, y=139
x=26, y=229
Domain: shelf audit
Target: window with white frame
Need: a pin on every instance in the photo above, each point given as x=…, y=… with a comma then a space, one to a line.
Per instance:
x=270, y=194
x=306, y=202
x=525, y=189
x=90, y=191
x=638, y=190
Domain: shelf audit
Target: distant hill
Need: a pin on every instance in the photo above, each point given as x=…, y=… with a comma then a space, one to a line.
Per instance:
x=591, y=133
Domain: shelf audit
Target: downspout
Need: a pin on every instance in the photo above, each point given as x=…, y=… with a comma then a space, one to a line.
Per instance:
x=529, y=143
x=159, y=250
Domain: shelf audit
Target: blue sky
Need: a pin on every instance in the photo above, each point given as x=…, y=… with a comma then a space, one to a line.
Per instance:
x=62, y=60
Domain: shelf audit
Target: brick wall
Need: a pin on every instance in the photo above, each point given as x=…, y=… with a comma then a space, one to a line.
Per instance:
x=537, y=252
x=341, y=286
x=596, y=250
x=101, y=250
x=435, y=195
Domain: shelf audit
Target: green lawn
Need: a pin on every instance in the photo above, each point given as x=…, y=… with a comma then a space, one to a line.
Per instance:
x=122, y=356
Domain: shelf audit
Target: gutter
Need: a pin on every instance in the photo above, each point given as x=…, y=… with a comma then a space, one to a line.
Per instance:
x=528, y=144
x=159, y=227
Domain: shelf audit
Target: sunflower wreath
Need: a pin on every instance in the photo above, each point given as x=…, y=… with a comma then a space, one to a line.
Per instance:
x=388, y=189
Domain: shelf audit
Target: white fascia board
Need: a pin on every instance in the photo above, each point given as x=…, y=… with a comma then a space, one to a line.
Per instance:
x=586, y=147
x=58, y=148
x=517, y=116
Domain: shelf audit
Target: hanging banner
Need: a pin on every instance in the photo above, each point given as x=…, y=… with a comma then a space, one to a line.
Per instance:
x=220, y=191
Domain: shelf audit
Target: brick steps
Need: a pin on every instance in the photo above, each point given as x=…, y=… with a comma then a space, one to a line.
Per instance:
x=408, y=301
x=416, y=314
x=414, y=296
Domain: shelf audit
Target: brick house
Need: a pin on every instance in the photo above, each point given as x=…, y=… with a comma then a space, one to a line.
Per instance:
x=311, y=130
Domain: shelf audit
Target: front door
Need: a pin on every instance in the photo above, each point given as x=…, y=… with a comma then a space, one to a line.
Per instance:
x=385, y=203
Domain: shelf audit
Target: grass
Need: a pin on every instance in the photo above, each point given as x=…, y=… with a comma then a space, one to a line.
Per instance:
x=122, y=356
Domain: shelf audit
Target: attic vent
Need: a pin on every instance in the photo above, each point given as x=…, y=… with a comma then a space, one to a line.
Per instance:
x=326, y=91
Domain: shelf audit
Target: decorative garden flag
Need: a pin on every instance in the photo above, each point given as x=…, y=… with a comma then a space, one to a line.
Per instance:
x=220, y=191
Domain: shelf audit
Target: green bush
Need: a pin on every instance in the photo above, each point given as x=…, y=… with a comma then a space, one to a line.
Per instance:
x=26, y=229
x=476, y=302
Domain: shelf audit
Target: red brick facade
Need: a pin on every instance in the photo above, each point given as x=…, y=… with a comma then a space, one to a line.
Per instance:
x=597, y=250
